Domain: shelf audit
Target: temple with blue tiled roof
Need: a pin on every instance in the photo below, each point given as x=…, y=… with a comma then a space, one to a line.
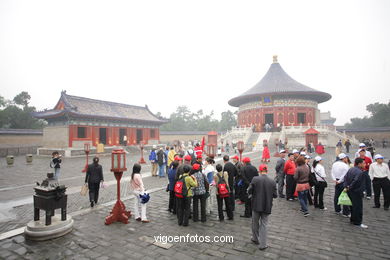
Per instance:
x=278, y=99
x=75, y=121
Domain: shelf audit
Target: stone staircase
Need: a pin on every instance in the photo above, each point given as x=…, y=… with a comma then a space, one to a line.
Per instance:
x=252, y=139
x=261, y=137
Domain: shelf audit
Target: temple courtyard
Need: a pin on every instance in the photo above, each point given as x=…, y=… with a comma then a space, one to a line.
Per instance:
x=322, y=235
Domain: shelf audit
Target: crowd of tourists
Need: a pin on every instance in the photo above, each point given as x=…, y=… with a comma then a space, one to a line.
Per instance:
x=197, y=186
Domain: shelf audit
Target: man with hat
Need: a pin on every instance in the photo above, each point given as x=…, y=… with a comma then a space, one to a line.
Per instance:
x=362, y=146
x=339, y=169
x=180, y=170
x=354, y=184
x=263, y=191
x=296, y=154
x=248, y=172
x=380, y=174
x=279, y=168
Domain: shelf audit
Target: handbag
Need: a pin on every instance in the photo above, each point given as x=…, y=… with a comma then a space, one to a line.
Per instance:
x=324, y=183
x=84, y=190
x=145, y=197
x=344, y=199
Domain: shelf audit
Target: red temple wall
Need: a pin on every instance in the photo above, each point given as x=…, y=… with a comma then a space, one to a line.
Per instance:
x=281, y=115
x=112, y=135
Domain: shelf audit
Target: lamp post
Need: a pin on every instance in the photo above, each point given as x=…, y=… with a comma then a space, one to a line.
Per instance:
x=142, y=160
x=118, y=166
x=240, y=148
x=86, y=151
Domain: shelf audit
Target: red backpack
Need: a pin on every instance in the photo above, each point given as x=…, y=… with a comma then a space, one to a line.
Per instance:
x=222, y=187
x=180, y=188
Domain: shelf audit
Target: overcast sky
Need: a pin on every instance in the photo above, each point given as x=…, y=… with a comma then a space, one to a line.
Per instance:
x=195, y=53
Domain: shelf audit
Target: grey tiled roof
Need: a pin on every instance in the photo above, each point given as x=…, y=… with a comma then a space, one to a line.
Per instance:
x=92, y=108
x=277, y=82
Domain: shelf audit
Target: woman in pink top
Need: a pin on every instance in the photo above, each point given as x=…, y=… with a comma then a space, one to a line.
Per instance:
x=138, y=188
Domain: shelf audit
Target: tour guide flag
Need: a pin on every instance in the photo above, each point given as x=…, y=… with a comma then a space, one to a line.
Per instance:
x=202, y=144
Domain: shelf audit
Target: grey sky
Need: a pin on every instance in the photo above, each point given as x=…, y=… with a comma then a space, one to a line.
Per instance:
x=195, y=53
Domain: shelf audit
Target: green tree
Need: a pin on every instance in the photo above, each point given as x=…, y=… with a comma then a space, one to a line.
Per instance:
x=22, y=99
x=185, y=120
x=228, y=120
x=13, y=116
x=379, y=117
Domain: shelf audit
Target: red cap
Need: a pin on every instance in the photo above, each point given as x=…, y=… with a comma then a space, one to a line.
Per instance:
x=196, y=166
x=187, y=158
x=263, y=168
x=246, y=160
x=235, y=157
x=199, y=156
x=177, y=158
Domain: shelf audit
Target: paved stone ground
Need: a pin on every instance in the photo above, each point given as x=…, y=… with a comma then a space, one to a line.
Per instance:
x=322, y=235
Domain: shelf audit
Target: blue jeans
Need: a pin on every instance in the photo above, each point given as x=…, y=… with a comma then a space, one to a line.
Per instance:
x=302, y=196
x=161, y=169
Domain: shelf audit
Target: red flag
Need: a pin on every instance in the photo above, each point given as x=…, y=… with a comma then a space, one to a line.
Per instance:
x=202, y=144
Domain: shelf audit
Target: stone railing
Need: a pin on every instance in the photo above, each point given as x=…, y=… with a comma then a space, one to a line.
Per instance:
x=237, y=134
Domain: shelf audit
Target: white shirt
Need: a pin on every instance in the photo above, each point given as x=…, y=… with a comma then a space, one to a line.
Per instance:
x=379, y=171
x=368, y=154
x=319, y=171
x=339, y=169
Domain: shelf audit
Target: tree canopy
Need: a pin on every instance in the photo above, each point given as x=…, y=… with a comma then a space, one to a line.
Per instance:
x=379, y=117
x=185, y=120
x=16, y=113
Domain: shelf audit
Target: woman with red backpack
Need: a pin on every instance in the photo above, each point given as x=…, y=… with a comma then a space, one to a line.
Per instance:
x=221, y=180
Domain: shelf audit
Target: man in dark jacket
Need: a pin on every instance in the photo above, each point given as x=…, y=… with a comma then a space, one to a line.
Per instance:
x=279, y=168
x=162, y=161
x=354, y=182
x=232, y=173
x=93, y=177
x=248, y=172
x=263, y=191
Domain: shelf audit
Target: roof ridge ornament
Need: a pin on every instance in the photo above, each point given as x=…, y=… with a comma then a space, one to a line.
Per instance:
x=275, y=59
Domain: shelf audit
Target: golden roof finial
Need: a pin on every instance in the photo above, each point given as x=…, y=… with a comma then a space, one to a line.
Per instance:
x=275, y=57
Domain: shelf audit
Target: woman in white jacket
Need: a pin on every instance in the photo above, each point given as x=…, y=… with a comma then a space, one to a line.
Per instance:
x=319, y=189
x=138, y=188
x=209, y=172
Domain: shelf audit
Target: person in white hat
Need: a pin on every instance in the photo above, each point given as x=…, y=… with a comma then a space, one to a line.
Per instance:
x=363, y=146
x=319, y=189
x=339, y=169
x=380, y=175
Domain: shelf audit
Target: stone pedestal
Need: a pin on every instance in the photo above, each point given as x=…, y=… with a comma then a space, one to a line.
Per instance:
x=39, y=231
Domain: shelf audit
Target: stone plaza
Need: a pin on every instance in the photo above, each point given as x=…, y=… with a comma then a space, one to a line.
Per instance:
x=322, y=235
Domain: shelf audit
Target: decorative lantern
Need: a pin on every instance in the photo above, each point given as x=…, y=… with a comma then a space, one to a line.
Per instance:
x=118, y=161
x=86, y=151
x=118, y=166
x=142, y=146
x=211, y=150
x=87, y=148
x=240, y=148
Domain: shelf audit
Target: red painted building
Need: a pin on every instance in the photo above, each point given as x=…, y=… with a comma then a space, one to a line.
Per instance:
x=77, y=120
x=280, y=100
